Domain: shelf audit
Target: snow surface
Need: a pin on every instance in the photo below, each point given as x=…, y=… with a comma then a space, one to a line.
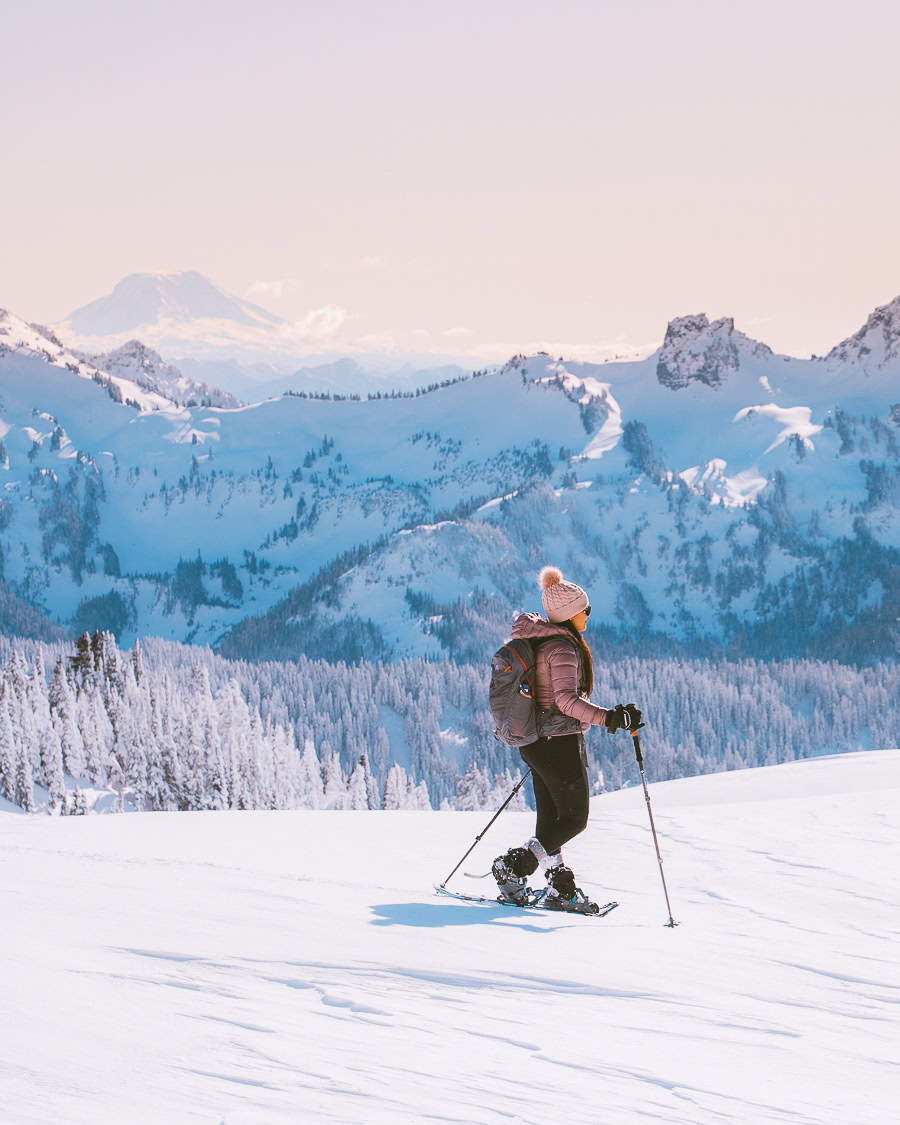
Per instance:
x=249, y=968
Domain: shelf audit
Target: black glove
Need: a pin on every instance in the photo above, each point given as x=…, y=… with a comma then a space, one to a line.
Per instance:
x=624, y=715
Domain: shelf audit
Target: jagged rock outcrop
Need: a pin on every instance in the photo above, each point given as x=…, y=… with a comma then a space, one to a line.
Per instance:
x=696, y=350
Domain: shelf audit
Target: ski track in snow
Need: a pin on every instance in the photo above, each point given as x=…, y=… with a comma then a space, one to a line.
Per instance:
x=248, y=968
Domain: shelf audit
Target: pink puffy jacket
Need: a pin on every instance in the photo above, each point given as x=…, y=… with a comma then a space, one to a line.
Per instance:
x=558, y=671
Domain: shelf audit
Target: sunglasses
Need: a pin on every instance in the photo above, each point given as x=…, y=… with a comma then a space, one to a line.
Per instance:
x=587, y=612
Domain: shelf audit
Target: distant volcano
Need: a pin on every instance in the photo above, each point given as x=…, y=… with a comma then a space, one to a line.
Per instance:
x=143, y=299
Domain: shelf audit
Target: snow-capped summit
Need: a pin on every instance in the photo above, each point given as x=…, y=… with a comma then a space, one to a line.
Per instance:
x=135, y=361
x=875, y=345
x=178, y=315
x=147, y=298
x=697, y=350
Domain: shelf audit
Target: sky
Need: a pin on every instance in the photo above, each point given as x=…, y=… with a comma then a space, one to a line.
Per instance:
x=471, y=176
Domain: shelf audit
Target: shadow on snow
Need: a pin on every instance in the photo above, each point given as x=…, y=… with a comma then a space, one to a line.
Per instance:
x=436, y=914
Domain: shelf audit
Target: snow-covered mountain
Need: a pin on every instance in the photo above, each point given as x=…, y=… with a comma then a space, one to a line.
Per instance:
x=143, y=300
x=134, y=361
x=713, y=495
x=238, y=965
x=179, y=314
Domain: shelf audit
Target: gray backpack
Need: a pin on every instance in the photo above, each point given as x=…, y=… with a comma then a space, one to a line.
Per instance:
x=512, y=693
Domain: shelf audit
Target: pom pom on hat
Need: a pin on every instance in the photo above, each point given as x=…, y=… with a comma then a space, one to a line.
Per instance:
x=549, y=576
x=562, y=600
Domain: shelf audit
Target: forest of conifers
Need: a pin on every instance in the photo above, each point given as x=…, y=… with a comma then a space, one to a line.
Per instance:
x=168, y=726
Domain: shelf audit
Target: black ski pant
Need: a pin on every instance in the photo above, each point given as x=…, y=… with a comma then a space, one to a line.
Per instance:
x=559, y=775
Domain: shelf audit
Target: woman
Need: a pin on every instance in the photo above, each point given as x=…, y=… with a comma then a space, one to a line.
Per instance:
x=565, y=677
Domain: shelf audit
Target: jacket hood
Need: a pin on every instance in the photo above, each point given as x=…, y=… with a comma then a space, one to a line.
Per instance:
x=530, y=625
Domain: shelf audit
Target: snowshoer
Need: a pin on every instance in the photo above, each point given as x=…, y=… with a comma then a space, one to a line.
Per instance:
x=564, y=672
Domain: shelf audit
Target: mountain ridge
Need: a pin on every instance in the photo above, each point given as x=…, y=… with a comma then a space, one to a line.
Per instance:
x=705, y=514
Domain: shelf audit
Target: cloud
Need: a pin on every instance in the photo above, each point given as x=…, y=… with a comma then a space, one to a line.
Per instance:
x=372, y=261
x=318, y=326
x=457, y=332
x=272, y=289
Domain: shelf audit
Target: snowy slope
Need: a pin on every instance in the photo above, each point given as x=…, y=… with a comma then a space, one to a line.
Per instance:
x=251, y=968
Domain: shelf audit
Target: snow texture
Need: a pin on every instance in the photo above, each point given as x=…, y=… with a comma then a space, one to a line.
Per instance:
x=253, y=968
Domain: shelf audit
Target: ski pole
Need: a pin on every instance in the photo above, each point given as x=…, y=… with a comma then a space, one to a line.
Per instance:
x=484, y=830
x=640, y=761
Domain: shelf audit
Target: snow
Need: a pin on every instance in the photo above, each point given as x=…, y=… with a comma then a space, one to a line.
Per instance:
x=607, y=437
x=794, y=419
x=252, y=968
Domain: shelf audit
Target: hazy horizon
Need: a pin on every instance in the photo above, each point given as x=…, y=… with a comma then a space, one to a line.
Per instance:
x=468, y=181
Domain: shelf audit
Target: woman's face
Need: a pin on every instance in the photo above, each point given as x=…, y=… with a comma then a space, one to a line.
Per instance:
x=580, y=621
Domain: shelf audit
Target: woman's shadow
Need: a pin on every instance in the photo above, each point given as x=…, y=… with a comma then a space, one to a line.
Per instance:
x=437, y=914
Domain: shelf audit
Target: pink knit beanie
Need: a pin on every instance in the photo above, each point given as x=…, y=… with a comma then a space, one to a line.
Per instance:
x=562, y=600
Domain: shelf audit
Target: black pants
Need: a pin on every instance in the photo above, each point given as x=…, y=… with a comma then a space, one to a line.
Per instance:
x=559, y=774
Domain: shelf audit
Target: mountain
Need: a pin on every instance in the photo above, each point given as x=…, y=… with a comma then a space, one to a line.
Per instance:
x=134, y=361
x=713, y=497
x=145, y=299
x=178, y=314
x=243, y=964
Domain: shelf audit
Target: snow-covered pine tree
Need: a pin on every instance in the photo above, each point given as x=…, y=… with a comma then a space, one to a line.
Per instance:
x=335, y=787
x=373, y=797
x=310, y=791
x=357, y=797
x=395, y=788
x=48, y=746
x=8, y=784
x=62, y=710
x=473, y=790
x=417, y=796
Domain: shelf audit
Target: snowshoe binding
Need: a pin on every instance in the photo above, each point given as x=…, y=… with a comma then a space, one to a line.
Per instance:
x=511, y=872
x=562, y=894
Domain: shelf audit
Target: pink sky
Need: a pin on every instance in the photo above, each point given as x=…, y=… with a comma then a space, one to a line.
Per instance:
x=462, y=176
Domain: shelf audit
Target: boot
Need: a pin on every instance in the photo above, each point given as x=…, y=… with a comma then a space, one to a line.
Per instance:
x=511, y=872
x=561, y=882
x=562, y=894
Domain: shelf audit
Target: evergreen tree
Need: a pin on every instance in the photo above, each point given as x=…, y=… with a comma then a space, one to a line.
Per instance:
x=62, y=710
x=357, y=797
x=8, y=781
x=395, y=788
x=310, y=790
x=334, y=785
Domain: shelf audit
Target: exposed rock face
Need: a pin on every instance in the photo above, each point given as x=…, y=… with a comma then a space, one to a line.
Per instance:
x=696, y=350
x=875, y=345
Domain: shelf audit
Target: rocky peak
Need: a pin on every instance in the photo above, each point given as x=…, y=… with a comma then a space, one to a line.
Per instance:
x=876, y=345
x=135, y=361
x=696, y=350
